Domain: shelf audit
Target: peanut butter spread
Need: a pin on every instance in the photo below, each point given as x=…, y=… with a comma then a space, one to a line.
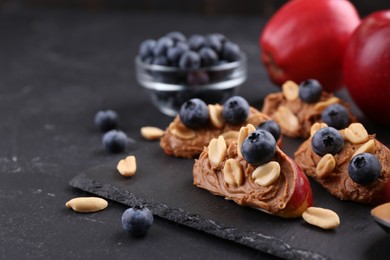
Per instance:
x=305, y=114
x=272, y=199
x=338, y=183
x=192, y=142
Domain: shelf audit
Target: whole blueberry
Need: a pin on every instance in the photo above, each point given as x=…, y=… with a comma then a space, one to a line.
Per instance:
x=208, y=57
x=235, y=110
x=196, y=42
x=214, y=42
x=259, y=147
x=162, y=45
x=160, y=60
x=106, y=120
x=327, y=140
x=176, y=36
x=230, y=51
x=194, y=113
x=189, y=60
x=364, y=168
x=115, y=141
x=137, y=220
x=146, y=49
x=174, y=53
x=310, y=91
x=272, y=127
x=336, y=116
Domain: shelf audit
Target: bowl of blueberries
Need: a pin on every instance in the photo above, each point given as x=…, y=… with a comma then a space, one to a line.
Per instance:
x=174, y=69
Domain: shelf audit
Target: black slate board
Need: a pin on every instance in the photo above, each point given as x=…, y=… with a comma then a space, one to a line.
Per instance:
x=164, y=184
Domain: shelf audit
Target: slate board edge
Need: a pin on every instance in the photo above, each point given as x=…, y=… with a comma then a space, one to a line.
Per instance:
x=267, y=244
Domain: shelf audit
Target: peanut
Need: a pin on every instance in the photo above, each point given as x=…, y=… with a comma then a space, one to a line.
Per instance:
x=266, y=174
x=232, y=173
x=128, y=166
x=87, y=204
x=320, y=217
x=290, y=90
x=320, y=106
x=356, y=133
x=368, y=147
x=315, y=127
x=286, y=119
x=217, y=150
x=151, y=132
x=216, y=119
x=242, y=134
x=326, y=165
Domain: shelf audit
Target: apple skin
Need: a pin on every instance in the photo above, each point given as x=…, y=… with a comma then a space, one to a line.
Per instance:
x=366, y=67
x=307, y=39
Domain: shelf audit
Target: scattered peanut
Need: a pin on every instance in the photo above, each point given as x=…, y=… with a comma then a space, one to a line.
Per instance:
x=216, y=119
x=151, y=132
x=320, y=106
x=266, y=174
x=128, y=166
x=286, y=119
x=315, y=127
x=242, y=134
x=326, y=165
x=290, y=90
x=232, y=173
x=87, y=204
x=320, y=217
x=217, y=150
x=368, y=147
x=356, y=133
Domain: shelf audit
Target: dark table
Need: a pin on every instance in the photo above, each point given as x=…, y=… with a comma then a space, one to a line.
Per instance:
x=57, y=69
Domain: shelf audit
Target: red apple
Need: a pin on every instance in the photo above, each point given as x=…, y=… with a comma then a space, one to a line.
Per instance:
x=307, y=39
x=367, y=66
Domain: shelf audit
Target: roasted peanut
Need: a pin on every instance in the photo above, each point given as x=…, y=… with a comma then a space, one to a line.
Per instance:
x=315, y=127
x=216, y=119
x=266, y=174
x=320, y=106
x=217, y=150
x=242, y=134
x=128, y=166
x=326, y=165
x=151, y=132
x=87, y=204
x=320, y=217
x=232, y=173
x=286, y=119
x=356, y=133
x=290, y=90
x=368, y=147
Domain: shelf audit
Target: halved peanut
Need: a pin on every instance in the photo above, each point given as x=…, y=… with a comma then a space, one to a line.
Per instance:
x=290, y=90
x=368, y=147
x=217, y=150
x=242, y=134
x=356, y=133
x=286, y=119
x=216, y=119
x=315, y=127
x=230, y=135
x=320, y=106
x=151, y=132
x=128, y=166
x=87, y=204
x=326, y=165
x=320, y=217
x=266, y=174
x=181, y=131
x=232, y=173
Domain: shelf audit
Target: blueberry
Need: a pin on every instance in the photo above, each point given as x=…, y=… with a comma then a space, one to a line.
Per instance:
x=106, y=120
x=208, y=57
x=310, y=91
x=196, y=78
x=336, y=116
x=162, y=45
x=189, y=60
x=196, y=42
x=160, y=60
x=146, y=49
x=235, y=110
x=137, y=220
x=176, y=36
x=231, y=51
x=259, y=147
x=214, y=42
x=364, y=168
x=327, y=140
x=115, y=141
x=194, y=113
x=272, y=127
x=174, y=53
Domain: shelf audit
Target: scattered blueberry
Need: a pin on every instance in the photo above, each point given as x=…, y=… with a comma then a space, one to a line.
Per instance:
x=208, y=57
x=196, y=42
x=162, y=46
x=364, y=168
x=176, y=36
x=336, y=116
x=259, y=147
x=194, y=113
x=174, y=53
x=137, y=220
x=195, y=78
x=310, y=91
x=231, y=51
x=272, y=127
x=235, y=110
x=106, y=120
x=146, y=49
x=189, y=60
x=115, y=141
x=327, y=140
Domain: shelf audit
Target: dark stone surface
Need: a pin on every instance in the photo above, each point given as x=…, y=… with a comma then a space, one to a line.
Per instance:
x=57, y=69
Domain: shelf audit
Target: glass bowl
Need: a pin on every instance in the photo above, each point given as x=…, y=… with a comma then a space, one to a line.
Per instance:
x=170, y=87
